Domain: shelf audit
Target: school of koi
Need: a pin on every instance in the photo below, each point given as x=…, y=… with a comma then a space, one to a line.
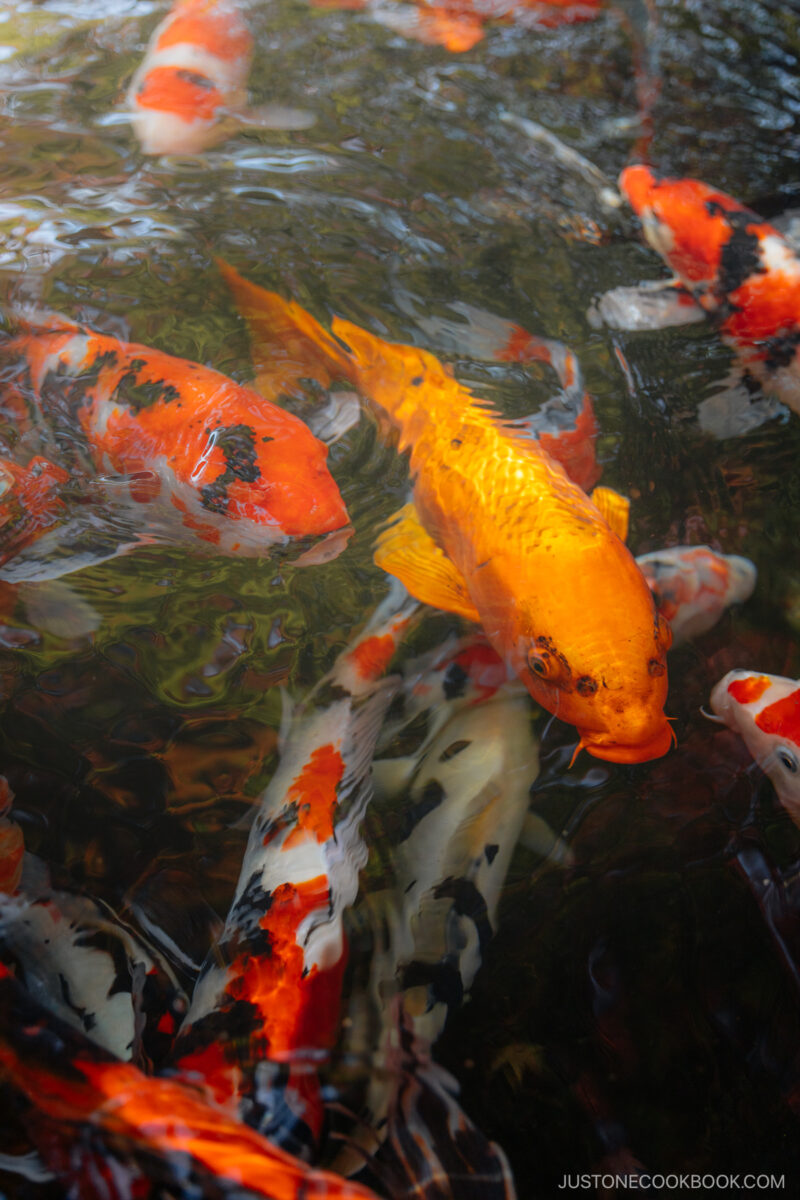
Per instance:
x=128, y=1086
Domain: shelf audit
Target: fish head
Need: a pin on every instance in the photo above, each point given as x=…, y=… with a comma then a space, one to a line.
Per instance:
x=693, y=585
x=176, y=110
x=270, y=475
x=591, y=649
x=765, y=711
x=688, y=223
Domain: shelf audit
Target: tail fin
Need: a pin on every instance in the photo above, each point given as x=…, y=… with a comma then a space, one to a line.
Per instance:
x=287, y=342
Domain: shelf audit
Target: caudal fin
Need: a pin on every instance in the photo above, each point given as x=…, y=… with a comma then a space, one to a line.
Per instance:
x=287, y=343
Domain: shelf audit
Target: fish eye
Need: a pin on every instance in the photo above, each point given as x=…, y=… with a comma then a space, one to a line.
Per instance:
x=787, y=759
x=538, y=664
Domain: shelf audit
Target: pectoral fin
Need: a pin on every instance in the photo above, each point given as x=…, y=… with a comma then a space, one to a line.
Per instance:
x=407, y=551
x=614, y=508
x=735, y=411
x=661, y=304
x=275, y=116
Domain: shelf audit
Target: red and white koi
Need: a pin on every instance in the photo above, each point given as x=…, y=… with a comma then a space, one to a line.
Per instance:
x=193, y=79
x=110, y=1132
x=274, y=979
x=730, y=265
x=236, y=471
x=694, y=585
x=765, y=711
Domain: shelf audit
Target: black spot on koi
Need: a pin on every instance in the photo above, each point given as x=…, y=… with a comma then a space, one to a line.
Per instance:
x=740, y=257
x=442, y=980
x=468, y=902
x=145, y=394
x=196, y=78
x=453, y=749
x=455, y=682
x=781, y=350
x=237, y=443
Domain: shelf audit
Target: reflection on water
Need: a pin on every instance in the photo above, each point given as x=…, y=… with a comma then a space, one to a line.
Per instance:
x=638, y=1004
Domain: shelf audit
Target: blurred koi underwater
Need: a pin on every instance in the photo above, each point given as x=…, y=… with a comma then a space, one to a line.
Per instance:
x=457, y=25
x=190, y=88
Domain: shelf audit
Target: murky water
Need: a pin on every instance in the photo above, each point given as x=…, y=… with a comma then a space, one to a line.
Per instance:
x=641, y=1004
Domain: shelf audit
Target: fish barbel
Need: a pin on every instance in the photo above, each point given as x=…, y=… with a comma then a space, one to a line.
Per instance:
x=499, y=534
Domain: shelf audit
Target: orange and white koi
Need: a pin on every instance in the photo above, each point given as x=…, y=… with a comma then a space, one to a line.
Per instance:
x=458, y=24
x=730, y=265
x=693, y=586
x=238, y=472
x=765, y=711
x=194, y=72
x=193, y=79
x=111, y=1132
x=500, y=535
x=273, y=981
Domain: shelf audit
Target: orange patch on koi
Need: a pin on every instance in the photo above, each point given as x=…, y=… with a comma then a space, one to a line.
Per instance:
x=747, y=691
x=315, y=794
x=278, y=984
x=782, y=717
x=372, y=656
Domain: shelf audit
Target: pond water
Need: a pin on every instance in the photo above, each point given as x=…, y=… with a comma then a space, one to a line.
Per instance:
x=639, y=1004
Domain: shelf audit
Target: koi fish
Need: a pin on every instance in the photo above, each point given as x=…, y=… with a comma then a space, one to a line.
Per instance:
x=240, y=473
x=565, y=425
x=193, y=79
x=498, y=534
x=458, y=24
x=765, y=711
x=93, y=971
x=452, y=822
x=732, y=266
x=693, y=586
x=109, y=1131
x=273, y=981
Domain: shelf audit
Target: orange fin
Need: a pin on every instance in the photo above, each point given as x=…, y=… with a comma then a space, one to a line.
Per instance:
x=287, y=343
x=615, y=509
x=406, y=550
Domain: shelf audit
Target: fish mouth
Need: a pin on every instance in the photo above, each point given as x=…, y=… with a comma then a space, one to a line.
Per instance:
x=631, y=752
